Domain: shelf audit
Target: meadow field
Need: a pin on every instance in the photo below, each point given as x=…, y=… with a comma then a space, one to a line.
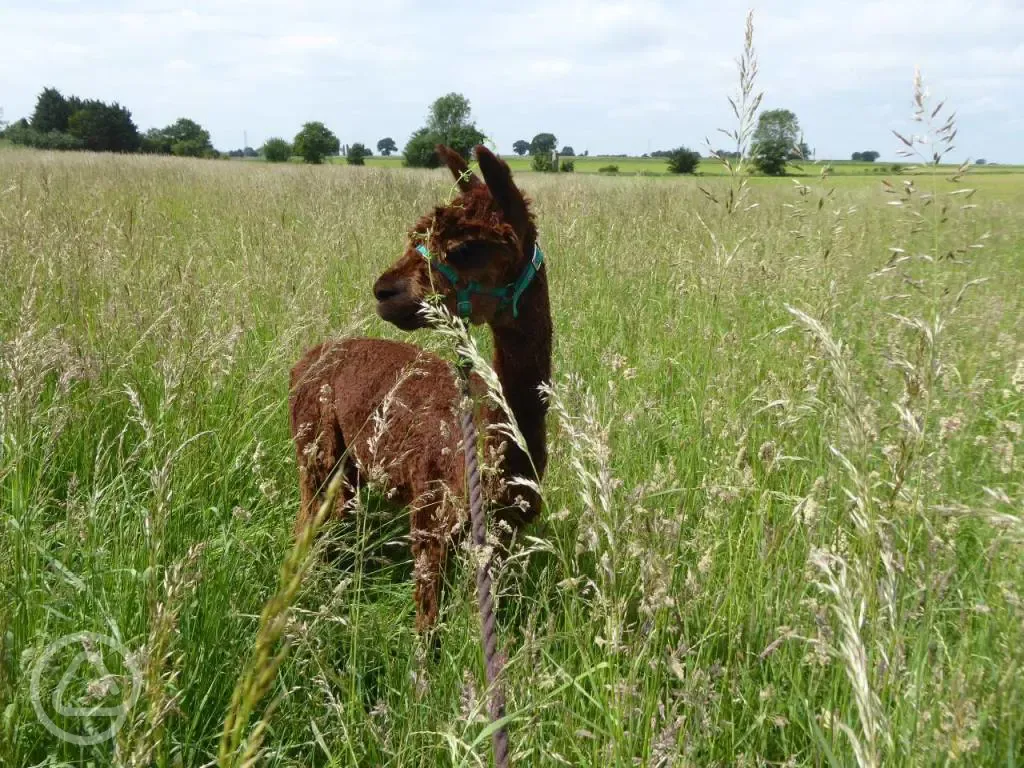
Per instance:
x=656, y=166
x=784, y=518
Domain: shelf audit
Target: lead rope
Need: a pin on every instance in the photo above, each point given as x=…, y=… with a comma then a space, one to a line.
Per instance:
x=488, y=624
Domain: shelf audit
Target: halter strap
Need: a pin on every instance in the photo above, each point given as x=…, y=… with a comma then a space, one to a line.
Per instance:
x=509, y=293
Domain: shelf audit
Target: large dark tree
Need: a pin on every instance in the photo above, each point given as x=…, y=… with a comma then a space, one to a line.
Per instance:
x=315, y=142
x=357, y=154
x=104, y=127
x=386, y=146
x=448, y=122
x=543, y=144
x=521, y=147
x=52, y=112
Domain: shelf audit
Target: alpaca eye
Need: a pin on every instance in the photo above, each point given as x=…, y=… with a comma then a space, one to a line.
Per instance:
x=471, y=254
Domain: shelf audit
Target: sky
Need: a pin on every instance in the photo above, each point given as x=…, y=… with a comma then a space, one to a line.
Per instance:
x=608, y=77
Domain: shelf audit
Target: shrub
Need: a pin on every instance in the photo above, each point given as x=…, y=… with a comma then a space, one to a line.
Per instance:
x=608, y=169
x=683, y=160
x=568, y=166
x=542, y=162
x=277, y=150
x=770, y=156
x=21, y=133
x=420, y=151
x=357, y=153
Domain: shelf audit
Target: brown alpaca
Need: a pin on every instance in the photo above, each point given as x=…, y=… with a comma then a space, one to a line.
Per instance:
x=486, y=235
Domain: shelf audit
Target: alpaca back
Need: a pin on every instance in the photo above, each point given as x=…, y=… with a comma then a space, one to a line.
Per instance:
x=391, y=405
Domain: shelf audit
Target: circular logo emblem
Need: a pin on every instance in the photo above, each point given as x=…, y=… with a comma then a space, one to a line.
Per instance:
x=86, y=691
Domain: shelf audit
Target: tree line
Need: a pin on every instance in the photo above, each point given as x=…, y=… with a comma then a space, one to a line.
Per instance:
x=70, y=123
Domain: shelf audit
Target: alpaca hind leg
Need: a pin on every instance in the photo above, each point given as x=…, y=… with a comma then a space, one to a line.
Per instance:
x=319, y=458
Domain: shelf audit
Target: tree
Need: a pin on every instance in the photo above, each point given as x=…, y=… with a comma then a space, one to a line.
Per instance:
x=184, y=137
x=543, y=144
x=104, y=127
x=315, y=142
x=776, y=138
x=189, y=139
x=448, y=122
x=447, y=115
x=52, y=112
x=683, y=160
x=865, y=157
x=521, y=147
x=276, y=150
x=156, y=142
x=386, y=146
x=568, y=151
x=357, y=153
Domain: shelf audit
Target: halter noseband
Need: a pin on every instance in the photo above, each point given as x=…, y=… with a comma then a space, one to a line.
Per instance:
x=509, y=293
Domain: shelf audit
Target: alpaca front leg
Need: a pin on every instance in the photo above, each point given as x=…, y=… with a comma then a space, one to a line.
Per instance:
x=429, y=552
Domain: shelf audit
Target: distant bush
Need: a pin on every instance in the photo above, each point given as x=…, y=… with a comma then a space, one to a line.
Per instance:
x=357, y=153
x=683, y=160
x=277, y=150
x=895, y=168
x=542, y=162
x=23, y=134
x=568, y=166
x=608, y=169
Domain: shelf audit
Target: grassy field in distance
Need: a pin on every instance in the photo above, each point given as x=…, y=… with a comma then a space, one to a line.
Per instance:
x=708, y=166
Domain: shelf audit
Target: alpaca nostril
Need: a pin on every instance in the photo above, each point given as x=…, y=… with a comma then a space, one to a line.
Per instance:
x=386, y=289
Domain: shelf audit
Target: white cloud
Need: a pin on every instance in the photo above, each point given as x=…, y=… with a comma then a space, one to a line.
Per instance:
x=610, y=75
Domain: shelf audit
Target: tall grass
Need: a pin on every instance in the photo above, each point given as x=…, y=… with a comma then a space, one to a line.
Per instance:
x=783, y=518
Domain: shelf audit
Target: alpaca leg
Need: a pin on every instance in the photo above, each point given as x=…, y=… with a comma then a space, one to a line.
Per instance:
x=429, y=553
x=319, y=457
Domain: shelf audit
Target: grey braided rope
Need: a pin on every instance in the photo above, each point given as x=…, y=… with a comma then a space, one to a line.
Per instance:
x=488, y=628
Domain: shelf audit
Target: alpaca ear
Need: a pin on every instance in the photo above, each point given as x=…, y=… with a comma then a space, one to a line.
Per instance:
x=457, y=165
x=499, y=181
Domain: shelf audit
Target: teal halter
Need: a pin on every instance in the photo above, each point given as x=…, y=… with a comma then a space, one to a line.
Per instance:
x=509, y=294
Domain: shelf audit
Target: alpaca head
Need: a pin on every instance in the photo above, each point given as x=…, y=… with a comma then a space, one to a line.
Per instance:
x=475, y=249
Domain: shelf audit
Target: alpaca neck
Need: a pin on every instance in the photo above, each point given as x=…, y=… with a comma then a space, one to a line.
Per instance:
x=522, y=361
